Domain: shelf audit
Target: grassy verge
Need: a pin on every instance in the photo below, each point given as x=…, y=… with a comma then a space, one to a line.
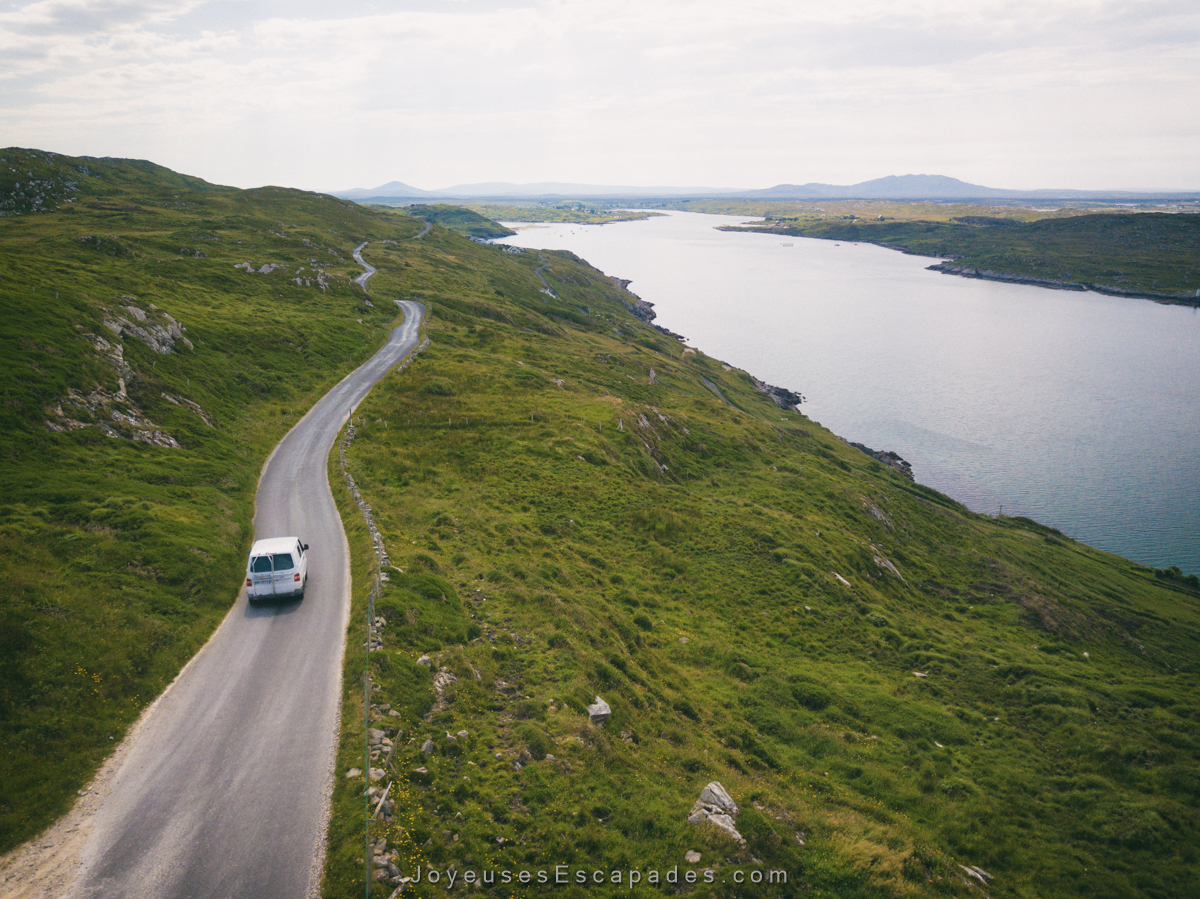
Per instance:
x=889, y=686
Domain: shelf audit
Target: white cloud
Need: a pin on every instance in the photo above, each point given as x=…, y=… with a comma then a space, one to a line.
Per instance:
x=996, y=91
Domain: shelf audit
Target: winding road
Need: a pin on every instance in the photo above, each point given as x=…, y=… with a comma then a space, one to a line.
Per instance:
x=223, y=789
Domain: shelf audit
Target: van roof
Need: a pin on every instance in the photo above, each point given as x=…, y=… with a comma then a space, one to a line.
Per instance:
x=273, y=545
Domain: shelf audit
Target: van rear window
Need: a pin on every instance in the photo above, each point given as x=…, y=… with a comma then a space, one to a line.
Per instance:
x=260, y=564
x=283, y=561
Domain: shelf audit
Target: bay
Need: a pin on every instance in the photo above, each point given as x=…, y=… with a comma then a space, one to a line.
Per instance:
x=1079, y=410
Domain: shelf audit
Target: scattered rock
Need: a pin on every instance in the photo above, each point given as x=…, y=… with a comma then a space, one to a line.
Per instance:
x=377, y=774
x=599, y=711
x=691, y=856
x=424, y=660
x=427, y=747
x=354, y=772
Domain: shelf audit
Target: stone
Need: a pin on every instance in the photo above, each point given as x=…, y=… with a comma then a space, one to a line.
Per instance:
x=354, y=772
x=599, y=711
x=427, y=747
x=421, y=770
x=715, y=794
x=691, y=856
x=377, y=774
x=374, y=736
x=424, y=660
x=463, y=733
x=716, y=807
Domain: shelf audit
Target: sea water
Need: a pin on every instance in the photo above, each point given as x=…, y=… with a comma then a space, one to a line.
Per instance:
x=1073, y=408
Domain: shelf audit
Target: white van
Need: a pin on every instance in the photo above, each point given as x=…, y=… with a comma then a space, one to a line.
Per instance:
x=277, y=567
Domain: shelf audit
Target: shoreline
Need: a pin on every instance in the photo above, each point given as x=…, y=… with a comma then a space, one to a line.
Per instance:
x=947, y=267
x=962, y=271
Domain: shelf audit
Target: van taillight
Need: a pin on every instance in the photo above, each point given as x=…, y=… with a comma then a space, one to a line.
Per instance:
x=295, y=577
x=249, y=583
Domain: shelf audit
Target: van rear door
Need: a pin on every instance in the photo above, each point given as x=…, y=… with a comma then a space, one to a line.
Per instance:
x=260, y=574
x=284, y=569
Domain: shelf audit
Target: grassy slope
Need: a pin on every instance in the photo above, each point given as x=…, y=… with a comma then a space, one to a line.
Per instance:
x=118, y=558
x=1151, y=254
x=539, y=542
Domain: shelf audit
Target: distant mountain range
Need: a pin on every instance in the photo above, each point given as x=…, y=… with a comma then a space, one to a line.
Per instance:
x=544, y=189
x=892, y=187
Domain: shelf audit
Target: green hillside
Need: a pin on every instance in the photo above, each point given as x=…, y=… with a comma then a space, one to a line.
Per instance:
x=890, y=688
x=128, y=461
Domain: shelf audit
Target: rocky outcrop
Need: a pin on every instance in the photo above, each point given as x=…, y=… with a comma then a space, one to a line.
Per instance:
x=114, y=412
x=888, y=458
x=782, y=397
x=641, y=309
x=155, y=328
x=717, y=808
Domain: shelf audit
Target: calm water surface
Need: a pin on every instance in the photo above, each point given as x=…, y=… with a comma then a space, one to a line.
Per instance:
x=1076, y=409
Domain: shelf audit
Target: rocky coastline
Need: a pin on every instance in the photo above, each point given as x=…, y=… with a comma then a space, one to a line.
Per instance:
x=888, y=458
x=963, y=271
x=783, y=398
x=641, y=309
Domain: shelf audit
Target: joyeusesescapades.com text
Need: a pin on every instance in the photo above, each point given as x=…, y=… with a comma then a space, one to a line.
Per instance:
x=563, y=875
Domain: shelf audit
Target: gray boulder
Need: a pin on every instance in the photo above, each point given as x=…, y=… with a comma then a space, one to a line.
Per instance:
x=717, y=808
x=599, y=711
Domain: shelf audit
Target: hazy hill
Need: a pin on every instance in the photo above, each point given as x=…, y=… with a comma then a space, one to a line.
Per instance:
x=891, y=187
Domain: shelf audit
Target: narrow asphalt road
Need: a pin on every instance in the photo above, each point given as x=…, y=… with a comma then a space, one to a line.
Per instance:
x=362, y=279
x=224, y=789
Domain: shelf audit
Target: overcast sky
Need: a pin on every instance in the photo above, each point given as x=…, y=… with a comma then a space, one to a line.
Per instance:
x=1089, y=94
